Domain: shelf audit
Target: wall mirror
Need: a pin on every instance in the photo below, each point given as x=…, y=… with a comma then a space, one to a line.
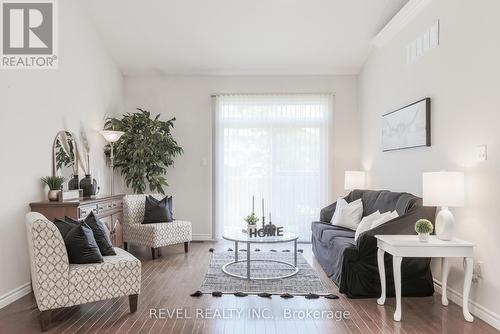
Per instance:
x=65, y=159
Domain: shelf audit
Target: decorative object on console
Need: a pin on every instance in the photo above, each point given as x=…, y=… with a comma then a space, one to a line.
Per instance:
x=147, y=145
x=55, y=184
x=65, y=158
x=444, y=189
x=111, y=137
x=423, y=227
x=89, y=186
x=354, y=180
x=407, y=127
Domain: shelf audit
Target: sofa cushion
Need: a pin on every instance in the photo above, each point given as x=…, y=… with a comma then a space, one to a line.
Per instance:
x=116, y=276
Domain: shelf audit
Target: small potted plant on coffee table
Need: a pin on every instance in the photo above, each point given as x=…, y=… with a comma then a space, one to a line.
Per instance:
x=251, y=221
x=423, y=227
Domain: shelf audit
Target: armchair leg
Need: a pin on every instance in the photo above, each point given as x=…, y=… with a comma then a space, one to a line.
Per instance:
x=45, y=318
x=125, y=246
x=132, y=300
x=153, y=253
x=159, y=251
x=186, y=247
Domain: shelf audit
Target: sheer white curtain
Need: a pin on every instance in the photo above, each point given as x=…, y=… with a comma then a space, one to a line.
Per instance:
x=273, y=147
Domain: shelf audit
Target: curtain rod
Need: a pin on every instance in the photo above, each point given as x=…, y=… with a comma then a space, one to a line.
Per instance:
x=250, y=94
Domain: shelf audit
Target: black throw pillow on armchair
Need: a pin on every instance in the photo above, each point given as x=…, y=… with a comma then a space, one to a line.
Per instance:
x=169, y=203
x=79, y=241
x=101, y=233
x=156, y=211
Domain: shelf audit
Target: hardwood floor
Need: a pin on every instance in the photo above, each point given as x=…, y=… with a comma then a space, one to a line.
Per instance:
x=168, y=281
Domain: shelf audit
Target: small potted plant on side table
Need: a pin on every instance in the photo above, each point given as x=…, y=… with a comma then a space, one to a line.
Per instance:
x=423, y=227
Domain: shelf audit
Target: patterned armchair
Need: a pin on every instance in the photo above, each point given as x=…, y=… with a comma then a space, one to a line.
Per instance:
x=151, y=235
x=57, y=283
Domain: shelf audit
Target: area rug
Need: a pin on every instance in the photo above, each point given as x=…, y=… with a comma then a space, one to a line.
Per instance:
x=305, y=282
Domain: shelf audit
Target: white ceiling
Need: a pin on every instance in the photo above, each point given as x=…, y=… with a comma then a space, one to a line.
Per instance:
x=240, y=36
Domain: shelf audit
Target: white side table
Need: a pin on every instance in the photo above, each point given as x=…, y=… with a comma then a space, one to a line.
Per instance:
x=400, y=246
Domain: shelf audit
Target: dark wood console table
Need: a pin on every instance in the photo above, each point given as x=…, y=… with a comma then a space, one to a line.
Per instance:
x=109, y=209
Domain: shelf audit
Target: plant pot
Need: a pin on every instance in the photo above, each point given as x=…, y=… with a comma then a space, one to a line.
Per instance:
x=53, y=195
x=251, y=227
x=73, y=183
x=423, y=237
x=89, y=186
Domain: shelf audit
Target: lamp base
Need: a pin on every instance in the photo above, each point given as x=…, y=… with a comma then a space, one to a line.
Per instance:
x=444, y=224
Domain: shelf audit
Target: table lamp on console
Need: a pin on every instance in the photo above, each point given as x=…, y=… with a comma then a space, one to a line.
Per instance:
x=444, y=189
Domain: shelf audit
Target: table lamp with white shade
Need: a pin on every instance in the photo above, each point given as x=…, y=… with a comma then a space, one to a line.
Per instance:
x=111, y=137
x=354, y=180
x=444, y=189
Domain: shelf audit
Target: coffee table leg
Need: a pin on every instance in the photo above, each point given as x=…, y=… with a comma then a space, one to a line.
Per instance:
x=295, y=253
x=248, y=260
x=236, y=251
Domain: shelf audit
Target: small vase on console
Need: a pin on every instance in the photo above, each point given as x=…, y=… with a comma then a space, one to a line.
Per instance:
x=89, y=186
x=73, y=183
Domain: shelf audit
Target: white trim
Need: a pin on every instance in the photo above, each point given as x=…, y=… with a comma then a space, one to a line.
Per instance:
x=399, y=21
x=202, y=237
x=475, y=308
x=15, y=294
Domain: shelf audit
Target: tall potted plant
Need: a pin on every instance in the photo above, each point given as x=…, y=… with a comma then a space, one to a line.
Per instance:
x=145, y=151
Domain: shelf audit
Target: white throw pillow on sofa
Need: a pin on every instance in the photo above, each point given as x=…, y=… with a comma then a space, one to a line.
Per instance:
x=366, y=223
x=386, y=216
x=348, y=215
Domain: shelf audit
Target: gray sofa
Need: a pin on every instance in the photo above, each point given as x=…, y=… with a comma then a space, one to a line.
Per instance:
x=353, y=265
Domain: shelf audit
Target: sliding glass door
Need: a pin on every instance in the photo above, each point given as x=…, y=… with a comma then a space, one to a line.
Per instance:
x=272, y=147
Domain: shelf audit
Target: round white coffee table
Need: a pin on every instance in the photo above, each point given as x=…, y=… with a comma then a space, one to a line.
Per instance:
x=238, y=236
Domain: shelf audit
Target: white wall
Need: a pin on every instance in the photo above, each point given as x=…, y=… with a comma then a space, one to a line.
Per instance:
x=188, y=99
x=34, y=106
x=462, y=76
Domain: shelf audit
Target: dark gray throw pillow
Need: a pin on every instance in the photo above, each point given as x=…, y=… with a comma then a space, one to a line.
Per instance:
x=81, y=245
x=156, y=211
x=169, y=203
x=100, y=233
x=79, y=241
x=65, y=226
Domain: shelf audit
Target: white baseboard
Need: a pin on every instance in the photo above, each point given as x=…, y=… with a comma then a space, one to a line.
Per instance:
x=15, y=294
x=476, y=309
x=202, y=237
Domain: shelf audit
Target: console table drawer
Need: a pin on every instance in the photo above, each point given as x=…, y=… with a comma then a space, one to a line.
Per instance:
x=117, y=204
x=84, y=211
x=105, y=206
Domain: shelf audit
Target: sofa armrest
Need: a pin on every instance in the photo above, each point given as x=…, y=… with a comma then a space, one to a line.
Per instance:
x=326, y=214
